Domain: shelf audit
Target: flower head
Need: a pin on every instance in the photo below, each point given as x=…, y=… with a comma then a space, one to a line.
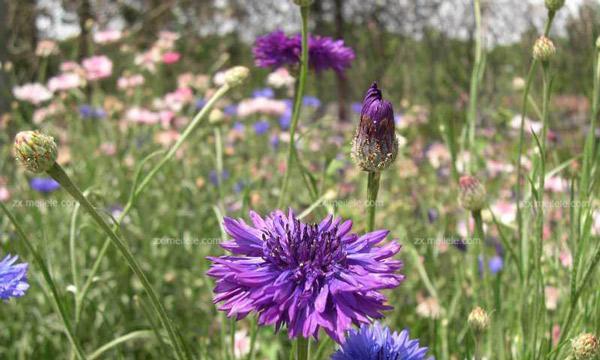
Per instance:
x=554, y=5
x=376, y=342
x=275, y=50
x=478, y=319
x=97, y=67
x=543, y=49
x=13, y=278
x=375, y=145
x=35, y=151
x=472, y=193
x=585, y=347
x=44, y=185
x=34, y=93
x=304, y=276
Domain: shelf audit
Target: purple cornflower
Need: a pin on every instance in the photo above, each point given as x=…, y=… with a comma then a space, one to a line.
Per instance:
x=44, y=185
x=214, y=178
x=263, y=93
x=276, y=50
x=286, y=118
x=261, y=127
x=200, y=103
x=230, y=110
x=356, y=107
x=89, y=112
x=13, y=278
x=311, y=101
x=304, y=276
x=376, y=342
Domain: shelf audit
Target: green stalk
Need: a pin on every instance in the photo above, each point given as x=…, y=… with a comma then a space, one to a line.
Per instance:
x=137, y=190
x=479, y=290
x=58, y=304
x=302, y=349
x=478, y=69
x=58, y=174
x=372, y=190
x=292, y=154
x=542, y=174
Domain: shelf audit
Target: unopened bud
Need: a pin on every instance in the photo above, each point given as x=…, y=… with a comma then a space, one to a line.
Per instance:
x=478, y=320
x=216, y=116
x=472, y=196
x=236, y=76
x=543, y=49
x=375, y=144
x=554, y=5
x=35, y=151
x=585, y=347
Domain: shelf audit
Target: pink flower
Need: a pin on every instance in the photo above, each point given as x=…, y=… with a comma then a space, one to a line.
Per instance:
x=171, y=57
x=177, y=99
x=108, y=148
x=107, y=36
x=261, y=105
x=34, y=93
x=69, y=66
x=552, y=294
x=97, y=67
x=556, y=184
x=505, y=212
x=64, y=82
x=142, y=116
x=281, y=78
x=129, y=82
x=4, y=194
x=566, y=259
x=46, y=48
x=241, y=344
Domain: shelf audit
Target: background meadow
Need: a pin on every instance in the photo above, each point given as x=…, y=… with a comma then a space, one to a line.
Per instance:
x=117, y=83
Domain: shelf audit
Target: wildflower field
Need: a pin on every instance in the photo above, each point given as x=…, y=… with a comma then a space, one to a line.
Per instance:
x=300, y=179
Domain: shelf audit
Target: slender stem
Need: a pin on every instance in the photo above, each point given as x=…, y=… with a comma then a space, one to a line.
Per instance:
x=58, y=174
x=39, y=260
x=138, y=190
x=304, y=10
x=478, y=68
x=372, y=190
x=302, y=349
x=542, y=174
x=479, y=290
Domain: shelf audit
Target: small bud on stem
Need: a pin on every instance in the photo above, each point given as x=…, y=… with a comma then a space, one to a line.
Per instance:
x=35, y=151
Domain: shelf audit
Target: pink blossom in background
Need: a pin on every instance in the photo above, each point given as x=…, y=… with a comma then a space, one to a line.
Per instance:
x=4, y=194
x=108, y=148
x=505, y=211
x=166, y=40
x=39, y=115
x=166, y=118
x=556, y=184
x=171, y=57
x=46, y=48
x=148, y=59
x=97, y=67
x=70, y=66
x=261, y=105
x=34, y=93
x=552, y=294
x=142, y=116
x=129, y=82
x=280, y=78
x=107, y=36
x=64, y=82
x=166, y=138
x=241, y=346
x=177, y=99
x=566, y=259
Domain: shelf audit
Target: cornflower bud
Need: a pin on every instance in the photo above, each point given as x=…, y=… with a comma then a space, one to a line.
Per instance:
x=35, y=151
x=472, y=195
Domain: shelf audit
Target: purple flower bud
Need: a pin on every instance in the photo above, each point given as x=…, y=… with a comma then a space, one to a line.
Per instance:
x=375, y=145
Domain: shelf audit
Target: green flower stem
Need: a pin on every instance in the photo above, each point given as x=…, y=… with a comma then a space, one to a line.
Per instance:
x=292, y=154
x=58, y=174
x=518, y=190
x=478, y=69
x=39, y=260
x=542, y=174
x=137, y=190
x=479, y=290
x=302, y=348
x=372, y=190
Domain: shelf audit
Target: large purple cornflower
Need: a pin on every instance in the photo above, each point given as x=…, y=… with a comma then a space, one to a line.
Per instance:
x=13, y=278
x=304, y=276
x=376, y=342
x=275, y=50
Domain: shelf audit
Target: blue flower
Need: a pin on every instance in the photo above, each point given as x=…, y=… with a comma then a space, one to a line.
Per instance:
x=311, y=101
x=376, y=342
x=261, y=127
x=286, y=118
x=44, y=185
x=239, y=127
x=200, y=103
x=215, y=179
x=356, y=107
x=230, y=110
x=275, y=141
x=13, y=278
x=495, y=264
x=263, y=93
x=89, y=112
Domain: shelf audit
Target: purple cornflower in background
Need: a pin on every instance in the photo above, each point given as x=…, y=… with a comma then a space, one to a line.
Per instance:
x=495, y=264
x=286, y=118
x=263, y=93
x=304, y=276
x=356, y=107
x=89, y=112
x=215, y=179
x=239, y=127
x=13, y=278
x=261, y=127
x=276, y=50
x=377, y=342
x=398, y=119
x=311, y=101
x=230, y=110
x=432, y=215
x=44, y=185
x=275, y=141
x=200, y=103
